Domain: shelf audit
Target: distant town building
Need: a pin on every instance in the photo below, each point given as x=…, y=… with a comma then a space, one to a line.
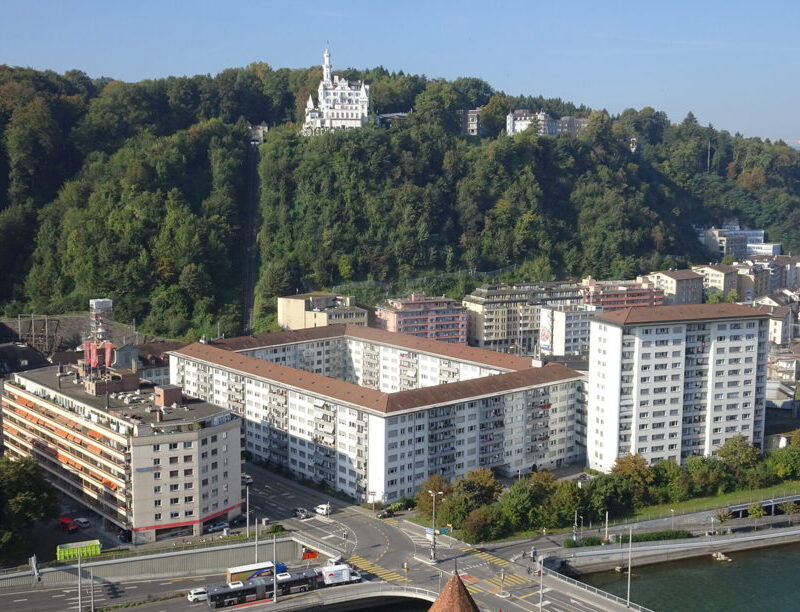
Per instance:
x=317, y=310
x=341, y=105
x=725, y=243
x=764, y=248
x=564, y=330
x=679, y=286
x=470, y=122
x=149, y=361
x=390, y=119
x=672, y=382
x=505, y=317
x=752, y=281
x=438, y=318
x=521, y=119
x=18, y=357
x=613, y=295
x=718, y=277
x=781, y=323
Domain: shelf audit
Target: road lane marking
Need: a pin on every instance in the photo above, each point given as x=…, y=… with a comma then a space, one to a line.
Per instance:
x=19, y=600
x=62, y=595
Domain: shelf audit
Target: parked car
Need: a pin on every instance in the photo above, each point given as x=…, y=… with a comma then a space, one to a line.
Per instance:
x=247, y=479
x=200, y=594
x=67, y=524
x=82, y=523
x=385, y=513
x=238, y=521
x=323, y=509
x=219, y=526
x=302, y=513
x=124, y=535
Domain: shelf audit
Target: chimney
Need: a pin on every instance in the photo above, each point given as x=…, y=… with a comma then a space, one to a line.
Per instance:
x=159, y=415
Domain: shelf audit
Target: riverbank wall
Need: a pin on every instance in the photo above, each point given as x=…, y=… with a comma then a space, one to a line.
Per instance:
x=602, y=558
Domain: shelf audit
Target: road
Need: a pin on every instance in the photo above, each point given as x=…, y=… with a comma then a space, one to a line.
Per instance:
x=392, y=550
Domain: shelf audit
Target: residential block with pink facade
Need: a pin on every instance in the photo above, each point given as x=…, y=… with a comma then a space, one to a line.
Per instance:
x=439, y=318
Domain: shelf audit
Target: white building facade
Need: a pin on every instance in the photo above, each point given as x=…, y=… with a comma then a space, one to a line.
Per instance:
x=374, y=413
x=341, y=105
x=670, y=382
x=564, y=330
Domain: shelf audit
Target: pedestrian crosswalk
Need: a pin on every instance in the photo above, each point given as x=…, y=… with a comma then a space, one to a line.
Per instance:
x=381, y=572
x=487, y=557
x=392, y=521
x=509, y=580
x=474, y=589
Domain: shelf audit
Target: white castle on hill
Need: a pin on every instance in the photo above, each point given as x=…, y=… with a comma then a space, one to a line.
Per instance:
x=342, y=105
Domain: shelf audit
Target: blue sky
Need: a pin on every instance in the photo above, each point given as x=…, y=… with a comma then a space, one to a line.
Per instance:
x=734, y=64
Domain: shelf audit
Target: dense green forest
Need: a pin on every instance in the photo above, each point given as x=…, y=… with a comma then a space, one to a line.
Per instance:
x=137, y=191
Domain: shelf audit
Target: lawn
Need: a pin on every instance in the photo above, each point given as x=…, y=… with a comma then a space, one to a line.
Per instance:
x=720, y=501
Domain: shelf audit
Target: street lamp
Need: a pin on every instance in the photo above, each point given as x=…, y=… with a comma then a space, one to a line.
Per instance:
x=433, y=495
x=673, y=518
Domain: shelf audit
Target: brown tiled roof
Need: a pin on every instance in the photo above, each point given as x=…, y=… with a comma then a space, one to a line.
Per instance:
x=725, y=269
x=380, y=336
x=777, y=312
x=688, y=312
x=370, y=398
x=454, y=597
x=679, y=274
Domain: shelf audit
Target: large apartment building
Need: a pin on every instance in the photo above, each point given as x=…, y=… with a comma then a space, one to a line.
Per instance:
x=374, y=413
x=614, y=295
x=319, y=309
x=679, y=286
x=718, y=277
x=506, y=317
x=671, y=382
x=144, y=458
x=439, y=318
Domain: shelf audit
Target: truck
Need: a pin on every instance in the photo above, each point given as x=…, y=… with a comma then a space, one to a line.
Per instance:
x=244, y=573
x=338, y=574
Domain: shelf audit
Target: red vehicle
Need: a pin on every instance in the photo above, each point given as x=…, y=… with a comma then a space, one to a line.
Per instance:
x=67, y=524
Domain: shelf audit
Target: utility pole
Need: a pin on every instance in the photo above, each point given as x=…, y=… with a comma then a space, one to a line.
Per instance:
x=247, y=510
x=630, y=559
x=256, y=526
x=274, y=569
x=91, y=588
x=541, y=585
x=80, y=601
x=606, y=525
x=433, y=494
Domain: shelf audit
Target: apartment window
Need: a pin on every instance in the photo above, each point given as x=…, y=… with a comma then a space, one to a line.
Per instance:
x=187, y=458
x=156, y=475
x=174, y=515
x=173, y=446
x=174, y=500
x=188, y=499
x=157, y=516
x=173, y=474
x=173, y=460
x=173, y=487
x=188, y=444
x=188, y=485
x=156, y=448
x=157, y=489
x=156, y=461
x=157, y=503
x=188, y=472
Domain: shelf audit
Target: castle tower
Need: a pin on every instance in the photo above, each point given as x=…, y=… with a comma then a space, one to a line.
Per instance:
x=326, y=66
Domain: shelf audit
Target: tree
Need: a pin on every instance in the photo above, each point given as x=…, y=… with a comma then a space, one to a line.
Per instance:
x=722, y=516
x=476, y=489
x=756, y=511
x=609, y=492
x=738, y=454
x=435, y=483
x=636, y=470
x=520, y=502
x=789, y=508
x=566, y=500
x=25, y=497
x=484, y=523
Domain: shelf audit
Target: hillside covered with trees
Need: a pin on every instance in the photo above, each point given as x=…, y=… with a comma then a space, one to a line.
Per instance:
x=136, y=191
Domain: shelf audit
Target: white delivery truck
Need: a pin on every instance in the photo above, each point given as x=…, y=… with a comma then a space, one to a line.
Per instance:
x=339, y=574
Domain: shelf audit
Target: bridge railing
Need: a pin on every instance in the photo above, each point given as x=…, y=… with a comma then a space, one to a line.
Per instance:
x=596, y=591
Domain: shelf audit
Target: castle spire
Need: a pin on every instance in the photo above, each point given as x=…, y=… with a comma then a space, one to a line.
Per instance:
x=326, y=66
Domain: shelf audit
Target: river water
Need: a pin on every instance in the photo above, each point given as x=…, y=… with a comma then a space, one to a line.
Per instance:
x=764, y=579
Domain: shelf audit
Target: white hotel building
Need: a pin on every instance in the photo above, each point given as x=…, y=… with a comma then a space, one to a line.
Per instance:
x=669, y=382
x=374, y=413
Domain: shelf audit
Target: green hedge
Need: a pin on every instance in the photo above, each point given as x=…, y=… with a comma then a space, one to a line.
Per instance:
x=653, y=536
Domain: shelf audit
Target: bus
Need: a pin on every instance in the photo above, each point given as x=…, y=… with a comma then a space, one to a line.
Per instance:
x=243, y=573
x=236, y=593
